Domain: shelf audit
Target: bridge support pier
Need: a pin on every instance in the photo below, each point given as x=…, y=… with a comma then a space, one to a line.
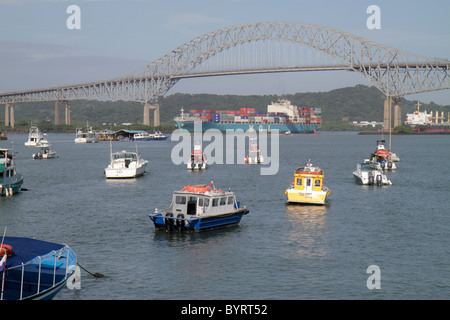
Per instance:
x=387, y=121
x=67, y=113
x=56, y=112
x=397, y=112
x=9, y=115
x=156, y=120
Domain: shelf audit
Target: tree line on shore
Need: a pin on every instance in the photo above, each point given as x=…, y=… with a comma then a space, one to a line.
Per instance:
x=339, y=107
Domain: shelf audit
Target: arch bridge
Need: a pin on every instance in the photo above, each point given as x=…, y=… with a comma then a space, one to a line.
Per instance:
x=256, y=48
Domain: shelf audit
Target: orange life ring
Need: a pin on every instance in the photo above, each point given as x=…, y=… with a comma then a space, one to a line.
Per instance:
x=5, y=248
x=388, y=157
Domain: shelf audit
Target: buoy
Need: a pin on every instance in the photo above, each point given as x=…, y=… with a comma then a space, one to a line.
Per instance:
x=314, y=132
x=5, y=249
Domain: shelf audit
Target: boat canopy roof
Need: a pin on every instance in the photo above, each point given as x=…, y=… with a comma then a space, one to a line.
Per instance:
x=27, y=249
x=203, y=189
x=308, y=170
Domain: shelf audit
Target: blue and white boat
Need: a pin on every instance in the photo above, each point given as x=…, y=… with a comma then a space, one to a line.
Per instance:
x=199, y=207
x=34, y=269
x=10, y=180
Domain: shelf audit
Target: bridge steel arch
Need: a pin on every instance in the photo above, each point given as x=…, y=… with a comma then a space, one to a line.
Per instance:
x=393, y=72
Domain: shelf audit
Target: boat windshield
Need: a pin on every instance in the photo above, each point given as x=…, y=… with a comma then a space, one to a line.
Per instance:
x=124, y=156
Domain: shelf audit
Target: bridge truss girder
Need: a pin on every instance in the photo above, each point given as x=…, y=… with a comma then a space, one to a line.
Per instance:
x=393, y=72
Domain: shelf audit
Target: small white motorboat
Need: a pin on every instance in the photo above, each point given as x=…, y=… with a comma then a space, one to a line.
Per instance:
x=88, y=136
x=125, y=164
x=45, y=151
x=197, y=160
x=365, y=175
x=254, y=155
x=35, y=137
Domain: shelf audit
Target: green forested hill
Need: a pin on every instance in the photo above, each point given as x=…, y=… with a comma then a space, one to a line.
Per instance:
x=355, y=103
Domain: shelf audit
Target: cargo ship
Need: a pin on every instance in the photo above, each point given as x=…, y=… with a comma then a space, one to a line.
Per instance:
x=281, y=116
x=423, y=122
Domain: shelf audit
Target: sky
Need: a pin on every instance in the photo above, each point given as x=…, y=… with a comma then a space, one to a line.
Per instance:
x=117, y=37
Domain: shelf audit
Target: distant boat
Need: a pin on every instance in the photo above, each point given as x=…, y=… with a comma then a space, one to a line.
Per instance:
x=35, y=137
x=157, y=135
x=199, y=207
x=10, y=180
x=88, y=136
x=367, y=176
x=45, y=150
x=254, y=155
x=197, y=160
x=34, y=269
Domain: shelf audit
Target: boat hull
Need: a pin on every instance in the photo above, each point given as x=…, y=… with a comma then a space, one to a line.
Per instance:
x=11, y=186
x=195, y=224
x=301, y=197
x=258, y=127
x=36, y=278
x=124, y=173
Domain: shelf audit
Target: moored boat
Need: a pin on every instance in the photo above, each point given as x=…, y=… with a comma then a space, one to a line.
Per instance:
x=199, y=207
x=125, y=164
x=198, y=160
x=254, y=155
x=35, y=137
x=381, y=159
x=88, y=136
x=10, y=180
x=34, y=269
x=367, y=176
x=308, y=186
x=45, y=150
x=158, y=135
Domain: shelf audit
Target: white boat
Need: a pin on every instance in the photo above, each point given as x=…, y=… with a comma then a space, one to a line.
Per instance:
x=198, y=160
x=199, y=207
x=157, y=135
x=35, y=136
x=368, y=176
x=142, y=136
x=381, y=145
x=45, y=150
x=254, y=154
x=88, y=136
x=125, y=164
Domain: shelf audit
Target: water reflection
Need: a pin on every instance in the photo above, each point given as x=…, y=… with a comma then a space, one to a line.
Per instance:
x=307, y=232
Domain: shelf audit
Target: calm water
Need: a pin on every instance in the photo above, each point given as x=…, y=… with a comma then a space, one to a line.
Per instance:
x=278, y=251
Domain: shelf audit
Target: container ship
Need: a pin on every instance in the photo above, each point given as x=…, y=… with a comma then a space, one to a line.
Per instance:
x=281, y=115
x=424, y=122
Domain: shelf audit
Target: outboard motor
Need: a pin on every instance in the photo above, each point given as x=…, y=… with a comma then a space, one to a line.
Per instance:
x=168, y=222
x=371, y=179
x=379, y=179
x=180, y=223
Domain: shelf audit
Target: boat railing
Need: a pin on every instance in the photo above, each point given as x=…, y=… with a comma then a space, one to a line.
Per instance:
x=23, y=283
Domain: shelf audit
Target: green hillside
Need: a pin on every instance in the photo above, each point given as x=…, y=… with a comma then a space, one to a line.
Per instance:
x=353, y=103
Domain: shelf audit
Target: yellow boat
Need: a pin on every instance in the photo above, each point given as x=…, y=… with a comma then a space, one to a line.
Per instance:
x=308, y=186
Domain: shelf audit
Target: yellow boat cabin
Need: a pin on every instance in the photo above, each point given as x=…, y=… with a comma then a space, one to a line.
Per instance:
x=307, y=186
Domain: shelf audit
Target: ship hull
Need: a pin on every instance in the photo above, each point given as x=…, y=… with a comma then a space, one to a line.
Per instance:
x=258, y=127
x=431, y=128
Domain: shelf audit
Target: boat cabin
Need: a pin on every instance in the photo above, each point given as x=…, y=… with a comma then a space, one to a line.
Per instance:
x=201, y=200
x=308, y=179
